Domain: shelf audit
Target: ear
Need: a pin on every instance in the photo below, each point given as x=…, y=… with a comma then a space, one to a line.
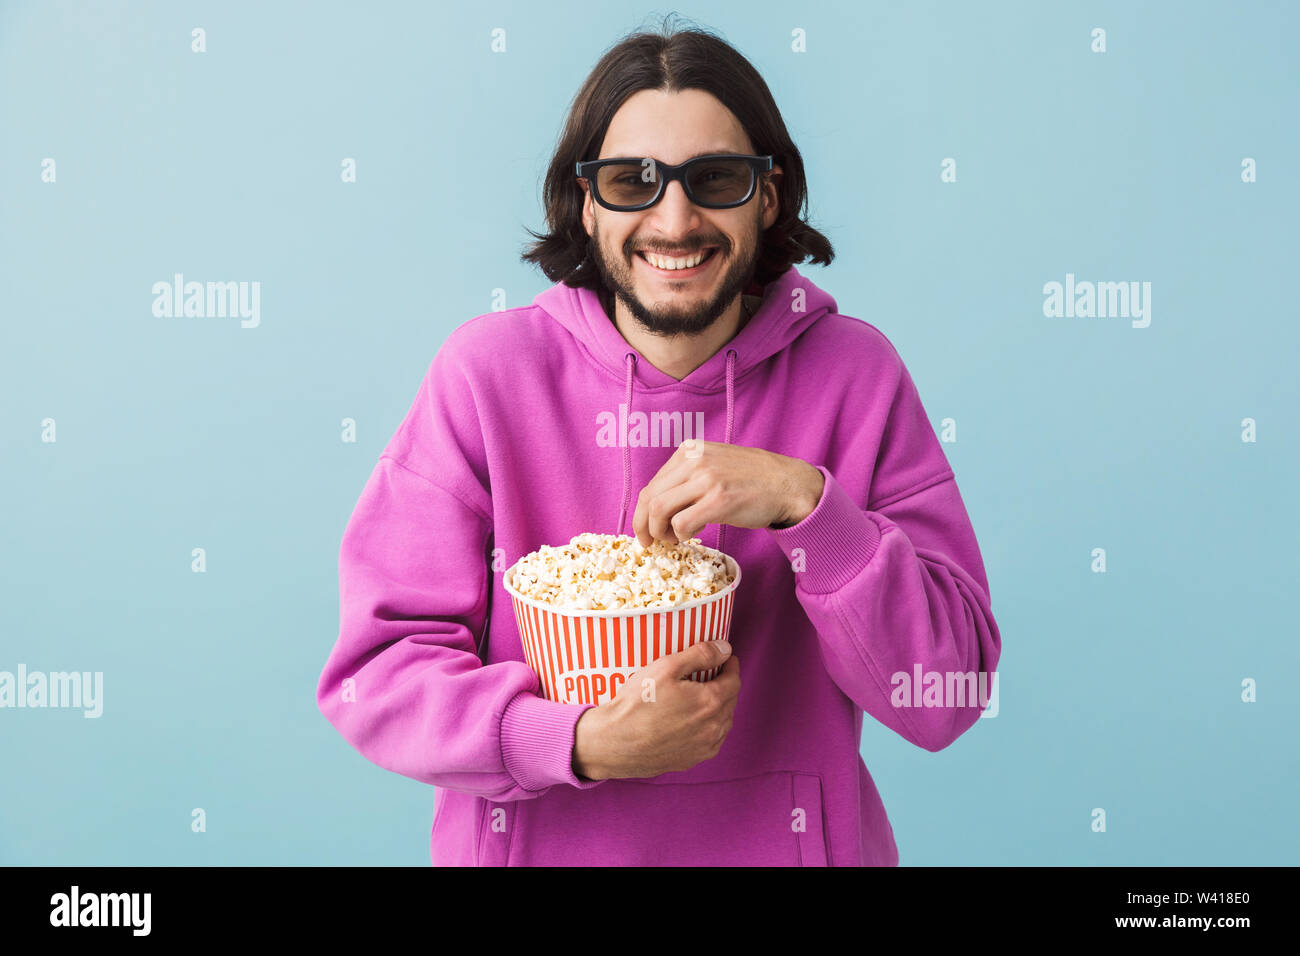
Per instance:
x=588, y=213
x=771, y=196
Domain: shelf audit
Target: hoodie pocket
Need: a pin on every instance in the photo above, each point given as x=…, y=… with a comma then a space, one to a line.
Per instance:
x=492, y=832
x=769, y=819
x=807, y=789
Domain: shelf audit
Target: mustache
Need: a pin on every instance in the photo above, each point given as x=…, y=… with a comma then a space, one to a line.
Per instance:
x=720, y=244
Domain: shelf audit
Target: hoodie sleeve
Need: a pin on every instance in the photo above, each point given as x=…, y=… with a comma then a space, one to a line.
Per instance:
x=899, y=585
x=404, y=683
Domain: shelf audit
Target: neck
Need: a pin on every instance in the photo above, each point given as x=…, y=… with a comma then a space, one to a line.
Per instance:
x=679, y=355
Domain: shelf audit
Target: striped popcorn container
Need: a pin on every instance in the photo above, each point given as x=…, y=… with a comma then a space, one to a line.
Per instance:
x=584, y=657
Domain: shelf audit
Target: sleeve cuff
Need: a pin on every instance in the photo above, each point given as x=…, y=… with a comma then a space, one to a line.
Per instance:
x=537, y=742
x=831, y=546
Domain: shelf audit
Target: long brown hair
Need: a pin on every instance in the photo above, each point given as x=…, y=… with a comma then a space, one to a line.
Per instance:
x=672, y=60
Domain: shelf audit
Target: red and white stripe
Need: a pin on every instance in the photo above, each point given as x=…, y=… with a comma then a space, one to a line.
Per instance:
x=595, y=652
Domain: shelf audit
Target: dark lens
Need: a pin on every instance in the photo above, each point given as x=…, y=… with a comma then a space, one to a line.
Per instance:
x=720, y=180
x=627, y=184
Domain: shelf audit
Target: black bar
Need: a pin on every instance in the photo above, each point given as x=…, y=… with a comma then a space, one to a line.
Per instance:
x=332, y=904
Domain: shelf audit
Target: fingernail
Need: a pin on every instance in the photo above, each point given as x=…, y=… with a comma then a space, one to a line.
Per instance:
x=724, y=646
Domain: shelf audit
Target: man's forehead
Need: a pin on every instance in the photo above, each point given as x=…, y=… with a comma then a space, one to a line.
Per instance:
x=672, y=127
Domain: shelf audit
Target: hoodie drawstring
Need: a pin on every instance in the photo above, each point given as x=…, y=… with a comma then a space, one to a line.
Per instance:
x=731, y=414
x=630, y=362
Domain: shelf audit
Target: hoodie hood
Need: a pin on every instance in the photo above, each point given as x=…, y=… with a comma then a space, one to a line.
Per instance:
x=787, y=307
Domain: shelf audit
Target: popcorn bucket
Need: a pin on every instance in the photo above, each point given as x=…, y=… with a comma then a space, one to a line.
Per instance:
x=584, y=657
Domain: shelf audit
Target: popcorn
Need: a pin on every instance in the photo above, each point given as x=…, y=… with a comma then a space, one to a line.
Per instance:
x=606, y=572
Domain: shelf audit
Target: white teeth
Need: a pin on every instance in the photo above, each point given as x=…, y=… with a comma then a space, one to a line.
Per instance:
x=659, y=262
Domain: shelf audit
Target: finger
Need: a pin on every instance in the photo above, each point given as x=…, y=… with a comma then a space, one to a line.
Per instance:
x=689, y=522
x=662, y=508
x=727, y=684
x=729, y=676
x=697, y=657
x=641, y=518
x=641, y=513
x=646, y=527
x=677, y=469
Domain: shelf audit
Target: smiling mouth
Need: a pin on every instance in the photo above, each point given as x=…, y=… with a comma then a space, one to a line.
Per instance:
x=708, y=257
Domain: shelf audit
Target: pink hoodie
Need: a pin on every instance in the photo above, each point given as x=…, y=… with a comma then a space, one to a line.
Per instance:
x=538, y=423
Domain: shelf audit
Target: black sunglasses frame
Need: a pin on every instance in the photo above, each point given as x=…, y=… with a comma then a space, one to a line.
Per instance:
x=667, y=173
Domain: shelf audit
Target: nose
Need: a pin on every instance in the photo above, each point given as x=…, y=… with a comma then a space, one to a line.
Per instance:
x=674, y=213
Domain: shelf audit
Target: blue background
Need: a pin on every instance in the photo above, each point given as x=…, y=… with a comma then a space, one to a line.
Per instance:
x=1119, y=690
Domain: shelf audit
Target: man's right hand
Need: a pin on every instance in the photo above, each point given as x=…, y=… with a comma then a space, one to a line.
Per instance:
x=671, y=724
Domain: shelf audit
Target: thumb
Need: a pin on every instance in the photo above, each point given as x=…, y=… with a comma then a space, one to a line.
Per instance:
x=697, y=657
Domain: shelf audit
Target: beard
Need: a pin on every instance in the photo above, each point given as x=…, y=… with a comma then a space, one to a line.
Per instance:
x=696, y=311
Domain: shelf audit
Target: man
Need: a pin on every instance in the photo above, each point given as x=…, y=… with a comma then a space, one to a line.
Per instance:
x=816, y=469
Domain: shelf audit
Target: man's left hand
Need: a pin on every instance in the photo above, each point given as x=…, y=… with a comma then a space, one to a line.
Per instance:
x=707, y=482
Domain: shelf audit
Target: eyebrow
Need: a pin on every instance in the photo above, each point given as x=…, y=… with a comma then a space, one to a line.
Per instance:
x=732, y=151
